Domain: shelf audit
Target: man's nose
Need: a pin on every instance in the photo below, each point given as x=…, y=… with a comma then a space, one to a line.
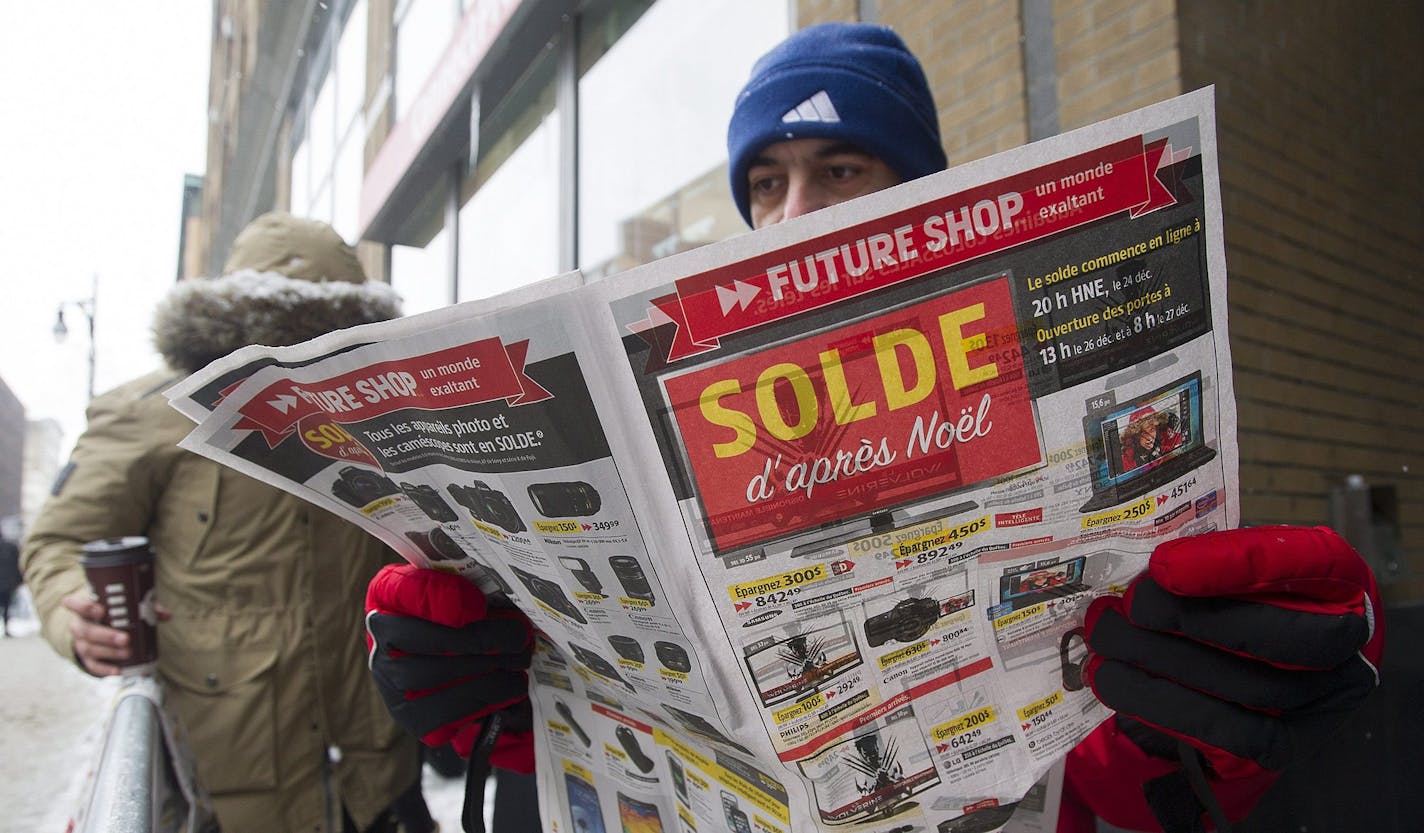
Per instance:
x=802, y=197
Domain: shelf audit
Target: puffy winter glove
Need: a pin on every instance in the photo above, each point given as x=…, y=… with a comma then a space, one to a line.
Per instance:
x=445, y=659
x=1249, y=645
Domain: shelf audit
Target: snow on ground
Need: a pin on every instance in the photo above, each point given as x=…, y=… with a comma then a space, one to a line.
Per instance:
x=52, y=715
x=51, y=723
x=446, y=796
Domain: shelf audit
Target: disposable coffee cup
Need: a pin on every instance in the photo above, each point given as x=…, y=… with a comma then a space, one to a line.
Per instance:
x=120, y=572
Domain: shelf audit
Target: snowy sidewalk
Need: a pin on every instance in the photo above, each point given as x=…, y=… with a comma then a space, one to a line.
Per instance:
x=51, y=719
x=51, y=714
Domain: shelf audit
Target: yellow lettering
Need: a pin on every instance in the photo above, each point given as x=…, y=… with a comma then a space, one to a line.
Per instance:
x=806, y=408
x=957, y=346
x=896, y=394
x=739, y=422
x=845, y=411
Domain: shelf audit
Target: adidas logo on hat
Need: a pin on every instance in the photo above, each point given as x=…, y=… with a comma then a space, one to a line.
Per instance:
x=816, y=108
x=870, y=92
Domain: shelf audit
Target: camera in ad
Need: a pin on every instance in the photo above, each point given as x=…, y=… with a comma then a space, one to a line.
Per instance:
x=583, y=574
x=437, y=545
x=359, y=488
x=565, y=500
x=488, y=505
x=630, y=575
x=905, y=622
x=549, y=593
x=430, y=502
x=627, y=647
x=673, y=656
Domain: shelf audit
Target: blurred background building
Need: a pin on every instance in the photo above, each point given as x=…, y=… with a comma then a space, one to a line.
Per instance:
x=478, y=145
x=41, y=465
x=473, y=146
x=12, y=450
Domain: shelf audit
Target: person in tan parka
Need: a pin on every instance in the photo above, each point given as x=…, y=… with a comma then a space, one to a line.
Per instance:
x=260, y=658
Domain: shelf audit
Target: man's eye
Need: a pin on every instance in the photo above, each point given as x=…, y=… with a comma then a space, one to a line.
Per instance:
x=765, y=184
x=840, y=173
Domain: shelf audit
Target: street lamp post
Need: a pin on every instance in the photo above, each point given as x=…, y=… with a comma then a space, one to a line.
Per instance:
x=89, y=307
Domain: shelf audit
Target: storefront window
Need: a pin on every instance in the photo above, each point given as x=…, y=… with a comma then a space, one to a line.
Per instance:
x=655, y=82
x=320, y=206
x=423, y=29
x=420, y=274
x=351, y=71
x=327, y=164
x=509, y=215
x=652, y=125
x=346, y=185
x=301, y=182
x=321, y=130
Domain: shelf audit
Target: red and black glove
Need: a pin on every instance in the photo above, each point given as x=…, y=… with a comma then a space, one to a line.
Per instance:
x=445, y=659
x=1250, y=646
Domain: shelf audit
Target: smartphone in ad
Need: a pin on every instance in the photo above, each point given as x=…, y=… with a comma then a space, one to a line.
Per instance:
x=584, y=810
x=638, y=816
x=737, y=821
x=679, y=778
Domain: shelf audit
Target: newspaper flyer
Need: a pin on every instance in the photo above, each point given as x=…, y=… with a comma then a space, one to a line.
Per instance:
x=807, y=519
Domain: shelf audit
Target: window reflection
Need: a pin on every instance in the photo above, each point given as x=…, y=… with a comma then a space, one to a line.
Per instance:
x=652, y=125
x=423, y=29
x=347, y=168
x=418, y=274
x=346, y=182
x=649, y=144
x=328, y=162
x=300, y=197
x=351, y=69
x=321, y=144
x=509, y=215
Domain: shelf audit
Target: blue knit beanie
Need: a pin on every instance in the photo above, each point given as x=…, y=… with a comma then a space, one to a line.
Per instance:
x=855, y=82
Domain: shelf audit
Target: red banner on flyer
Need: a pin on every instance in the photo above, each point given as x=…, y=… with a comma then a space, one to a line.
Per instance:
x=471, y=373
x=907, y=404
x=1121, y=177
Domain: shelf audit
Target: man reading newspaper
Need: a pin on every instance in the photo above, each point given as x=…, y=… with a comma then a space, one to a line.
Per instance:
x=1235, y=653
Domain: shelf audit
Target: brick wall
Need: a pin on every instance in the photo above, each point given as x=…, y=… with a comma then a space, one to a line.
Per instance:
x=1319, y=127
x=970, y=52
x=1114, y=56
x=821, y=11
x=971, y=55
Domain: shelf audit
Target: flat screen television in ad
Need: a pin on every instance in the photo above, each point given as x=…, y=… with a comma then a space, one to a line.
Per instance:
x=1139, y=444
x=803, y=662
x=1056, y=580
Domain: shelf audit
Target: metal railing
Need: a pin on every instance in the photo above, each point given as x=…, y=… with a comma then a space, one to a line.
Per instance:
x=125, y=783
x=143, y=782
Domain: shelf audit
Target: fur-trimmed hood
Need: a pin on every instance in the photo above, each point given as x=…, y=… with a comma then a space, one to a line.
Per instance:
x=205, y=319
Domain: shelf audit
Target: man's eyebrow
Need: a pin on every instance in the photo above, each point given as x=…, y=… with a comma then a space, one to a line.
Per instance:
x=835, y=149
x=840, y=148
